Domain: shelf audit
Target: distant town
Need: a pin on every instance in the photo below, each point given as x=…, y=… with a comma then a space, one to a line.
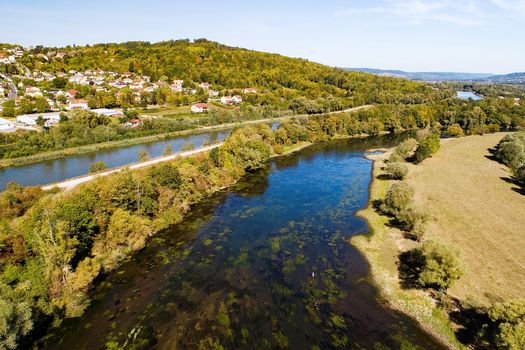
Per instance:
x=39, y=99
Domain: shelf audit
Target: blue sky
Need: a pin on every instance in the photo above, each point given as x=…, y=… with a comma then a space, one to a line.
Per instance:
x=414, y=35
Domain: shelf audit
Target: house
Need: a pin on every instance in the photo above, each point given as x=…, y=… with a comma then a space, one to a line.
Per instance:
x=199, y=108
x=213, y=93
x=249, y=91
x=133, y=123
x=6, y=125
x=229, y=100
x=33, y=91
x=205, y=86
x=74, y=103
x=177, y=86
x=30, y=119
x=71, y=93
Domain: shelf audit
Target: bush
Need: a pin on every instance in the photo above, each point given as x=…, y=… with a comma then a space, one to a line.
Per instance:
x=278, y=148
x=406, y=149
x=97, y=166
x=455, y=130
x=413, y=220
x=396, y=171
x=427, y=148
x=397, y=198
x=143, y=156
x=440, y=265
x=509, y=318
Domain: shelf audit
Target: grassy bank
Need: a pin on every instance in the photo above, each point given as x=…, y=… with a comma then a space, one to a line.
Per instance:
x=473, y=208
x=381, y=248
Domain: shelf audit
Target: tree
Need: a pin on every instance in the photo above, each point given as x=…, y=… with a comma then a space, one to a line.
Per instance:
x=9, y=109
x=455, y=130
x=509, y=318
x=427, y=147
x=396, y=171
x=166, y=175
x=440, y=265
x=97, y=166
x=143, y=156
x=40, y=121
x=406, y=149
x=15, y=315
x=397, y=198
x=59, y=82
x=167, y=150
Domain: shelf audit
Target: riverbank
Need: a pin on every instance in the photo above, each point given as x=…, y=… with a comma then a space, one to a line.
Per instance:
x=4, y=163
x=381, y=248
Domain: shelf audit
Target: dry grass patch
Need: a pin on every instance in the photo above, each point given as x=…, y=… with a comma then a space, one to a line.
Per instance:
x=474, y=209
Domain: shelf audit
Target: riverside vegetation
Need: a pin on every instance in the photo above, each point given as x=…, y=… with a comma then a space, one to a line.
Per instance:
x=54, y=245
x=432, y=266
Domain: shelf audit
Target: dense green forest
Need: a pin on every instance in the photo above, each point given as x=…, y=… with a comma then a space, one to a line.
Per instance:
x=229, y=67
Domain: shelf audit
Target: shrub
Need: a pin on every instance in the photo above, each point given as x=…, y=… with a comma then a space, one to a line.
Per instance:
x=406, y=149
x=492, y=128
x=455, y=130
x=413, y=220
x=97, y=166
x=520, y=175
x=427, y=148
x=397, y=198
x=440, y=265
x=509, y=318
x=166, y=175
x=187, y=147
x=278, y=148
x=167, y=150
x=143, y=156
x=396, y=171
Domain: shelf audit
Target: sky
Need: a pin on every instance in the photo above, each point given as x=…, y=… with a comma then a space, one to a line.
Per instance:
x=413, y=35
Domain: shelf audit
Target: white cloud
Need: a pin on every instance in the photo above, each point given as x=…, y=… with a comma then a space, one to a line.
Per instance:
x=460, y=12
x=511, y=6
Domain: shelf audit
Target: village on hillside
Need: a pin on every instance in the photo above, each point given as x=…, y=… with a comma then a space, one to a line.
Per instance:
x=38, y=99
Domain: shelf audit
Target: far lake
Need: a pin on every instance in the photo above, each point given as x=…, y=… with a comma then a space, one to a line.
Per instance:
x=468, y=95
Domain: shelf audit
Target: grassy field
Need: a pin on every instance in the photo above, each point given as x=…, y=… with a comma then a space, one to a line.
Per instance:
x=473, y=208
x=381, y=248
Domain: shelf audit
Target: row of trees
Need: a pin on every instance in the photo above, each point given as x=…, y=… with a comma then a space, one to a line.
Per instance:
x=511, y=152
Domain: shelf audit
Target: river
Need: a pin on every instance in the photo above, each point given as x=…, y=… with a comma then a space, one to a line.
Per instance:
x=55, y=170
x=265, y=264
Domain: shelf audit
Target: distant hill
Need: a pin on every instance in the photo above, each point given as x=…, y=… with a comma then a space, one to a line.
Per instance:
x=513, y=78
x=426, y=76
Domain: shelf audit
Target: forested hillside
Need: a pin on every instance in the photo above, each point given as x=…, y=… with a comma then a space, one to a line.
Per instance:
x=228, y=67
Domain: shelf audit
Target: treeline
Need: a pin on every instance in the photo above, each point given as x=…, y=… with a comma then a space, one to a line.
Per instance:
x=85, y=128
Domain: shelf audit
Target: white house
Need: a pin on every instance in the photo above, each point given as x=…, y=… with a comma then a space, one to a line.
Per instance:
x=33, y=91
x=6, y=125
x=213, y=93
x=228, y=100
x=204, y=85
x=199, y=108
x=30, y=119
x=249, y=91
x=82, y=104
